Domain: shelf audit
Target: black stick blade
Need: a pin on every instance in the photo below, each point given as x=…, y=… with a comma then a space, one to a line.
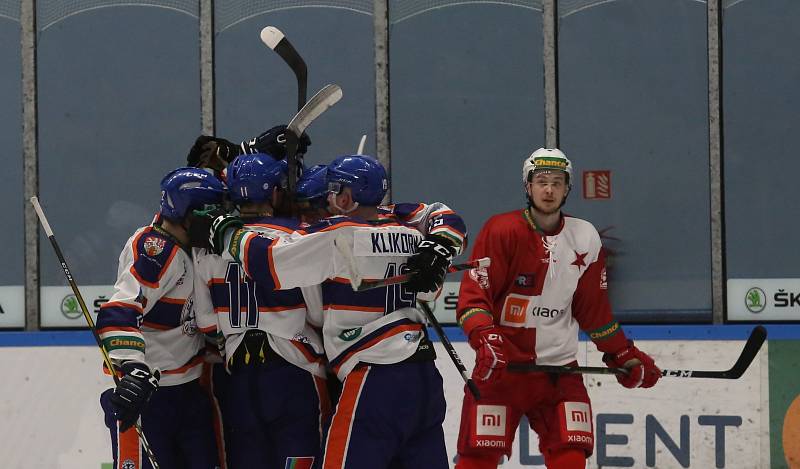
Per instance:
x=751, y=348
x=749, y=352
x=273, y=38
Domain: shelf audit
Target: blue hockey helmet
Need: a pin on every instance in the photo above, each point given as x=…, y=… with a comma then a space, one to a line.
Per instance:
x=186, y=189
x=251, y=178
x=312, y=187
x=364, y=175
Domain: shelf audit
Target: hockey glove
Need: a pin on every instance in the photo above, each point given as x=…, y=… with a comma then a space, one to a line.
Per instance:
x=200, y=226
x=132, y=393
x=490, y=358
x=212, y=152
x=429, y=265
x=220, y=227
x=643, y=372
x=273, y=143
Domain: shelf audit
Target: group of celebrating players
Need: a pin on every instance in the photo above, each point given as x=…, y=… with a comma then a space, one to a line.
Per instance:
x=311, y=373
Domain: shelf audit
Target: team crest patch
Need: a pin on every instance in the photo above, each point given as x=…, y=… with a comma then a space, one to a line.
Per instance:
x=154, y=246
x=481, y=276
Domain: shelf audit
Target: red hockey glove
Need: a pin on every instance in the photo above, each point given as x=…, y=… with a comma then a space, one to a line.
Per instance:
x=490, y=359
x=643, y=371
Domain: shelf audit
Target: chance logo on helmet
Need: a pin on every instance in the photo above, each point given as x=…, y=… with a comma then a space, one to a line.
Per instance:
x=551, y=159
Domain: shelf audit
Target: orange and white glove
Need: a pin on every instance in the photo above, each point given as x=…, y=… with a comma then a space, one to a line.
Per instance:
x=642, y=370
x=490, y=358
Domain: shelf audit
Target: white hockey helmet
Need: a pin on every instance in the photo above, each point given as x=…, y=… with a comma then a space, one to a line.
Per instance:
x=547, y=158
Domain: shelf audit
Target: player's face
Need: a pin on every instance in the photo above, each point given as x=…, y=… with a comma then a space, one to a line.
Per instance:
x=547, y=189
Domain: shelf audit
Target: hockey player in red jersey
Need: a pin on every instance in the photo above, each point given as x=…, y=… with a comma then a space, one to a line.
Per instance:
x=547, y=280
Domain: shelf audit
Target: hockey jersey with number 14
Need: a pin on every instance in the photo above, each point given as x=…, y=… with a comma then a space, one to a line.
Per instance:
x=379, y=326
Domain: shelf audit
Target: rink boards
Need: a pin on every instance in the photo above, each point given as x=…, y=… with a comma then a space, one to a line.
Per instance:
x=51, y=416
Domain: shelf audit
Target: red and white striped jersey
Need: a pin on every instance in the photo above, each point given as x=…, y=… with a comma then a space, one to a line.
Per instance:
x=540, y=288
x=231, y=303
x=149, y=318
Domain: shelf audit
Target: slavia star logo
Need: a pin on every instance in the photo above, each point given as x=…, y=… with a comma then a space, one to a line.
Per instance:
x=579, y=259
x=755, y=300
x=69, y=307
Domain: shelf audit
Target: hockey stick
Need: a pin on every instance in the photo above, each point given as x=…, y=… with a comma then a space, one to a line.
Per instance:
x=402, y=278
x=749, y=352
x=360, y=150
x=106, y=358
x=450, y=349
x=273, y=38
x=319, y=103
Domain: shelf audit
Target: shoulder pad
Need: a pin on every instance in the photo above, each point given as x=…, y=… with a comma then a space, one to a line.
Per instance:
x=406, y=211
x=152, y=255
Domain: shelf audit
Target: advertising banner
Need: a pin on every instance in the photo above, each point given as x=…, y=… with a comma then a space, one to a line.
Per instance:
x=52, y=418
x=60, y=307
x=679, y=423
x=12, y=306
x=764, y=299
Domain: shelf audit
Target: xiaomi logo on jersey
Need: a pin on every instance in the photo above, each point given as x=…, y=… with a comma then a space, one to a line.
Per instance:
x=490, y=420
x=515, y=310
x=577, y=416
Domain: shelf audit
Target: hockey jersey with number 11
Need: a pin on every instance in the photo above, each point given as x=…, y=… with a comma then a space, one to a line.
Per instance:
x=379, y=326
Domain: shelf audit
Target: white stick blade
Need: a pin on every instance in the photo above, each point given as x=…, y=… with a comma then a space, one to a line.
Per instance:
x=363, y=141
x=271, y=36
x=319, y=103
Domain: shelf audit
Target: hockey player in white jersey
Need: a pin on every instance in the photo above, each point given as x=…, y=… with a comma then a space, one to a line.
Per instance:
x=392, y=405
x=149, y=329
x=276, y=398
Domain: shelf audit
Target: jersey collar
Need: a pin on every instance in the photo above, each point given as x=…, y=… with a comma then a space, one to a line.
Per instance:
x=526, y=213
